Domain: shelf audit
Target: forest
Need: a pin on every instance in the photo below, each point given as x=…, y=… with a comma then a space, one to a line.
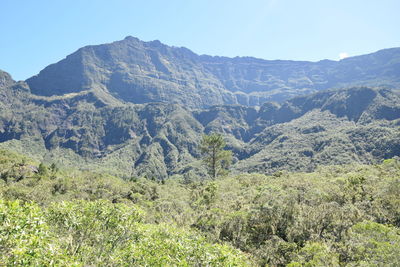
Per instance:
x=347, y=215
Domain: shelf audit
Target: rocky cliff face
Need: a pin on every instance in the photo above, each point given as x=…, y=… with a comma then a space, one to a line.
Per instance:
x=160, y=139
x=140, y=72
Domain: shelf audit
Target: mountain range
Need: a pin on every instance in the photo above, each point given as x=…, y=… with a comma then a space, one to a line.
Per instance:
x=140, y=72
x=137, y=108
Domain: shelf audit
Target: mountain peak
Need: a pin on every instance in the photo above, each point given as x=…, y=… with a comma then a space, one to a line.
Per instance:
x=5, y=79
x=131, y=38
x=140, y=72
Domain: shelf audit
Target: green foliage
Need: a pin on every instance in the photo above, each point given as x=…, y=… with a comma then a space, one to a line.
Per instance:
x=215, y=157
x=316, y=254
x=25, y=238
x=298, y=218
x=372, y=244
x=82, y=226
x=42, y=170
x=100, y=233
x=168, y=246
x=346, y=215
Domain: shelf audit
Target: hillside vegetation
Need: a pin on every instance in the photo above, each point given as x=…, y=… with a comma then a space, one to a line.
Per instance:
x=347, y=215
x=158, y=140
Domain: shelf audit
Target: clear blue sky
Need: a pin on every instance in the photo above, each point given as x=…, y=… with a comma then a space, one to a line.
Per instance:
x=36, y=33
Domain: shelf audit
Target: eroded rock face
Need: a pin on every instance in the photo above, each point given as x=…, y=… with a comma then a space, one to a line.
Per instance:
x=140, y=72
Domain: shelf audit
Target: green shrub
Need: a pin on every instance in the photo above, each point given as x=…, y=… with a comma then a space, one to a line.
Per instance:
x=26, y=239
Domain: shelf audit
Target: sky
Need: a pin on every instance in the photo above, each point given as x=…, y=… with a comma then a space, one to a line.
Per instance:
x=34, y=34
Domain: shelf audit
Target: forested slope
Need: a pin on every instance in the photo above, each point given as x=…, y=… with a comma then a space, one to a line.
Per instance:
x=158, y=140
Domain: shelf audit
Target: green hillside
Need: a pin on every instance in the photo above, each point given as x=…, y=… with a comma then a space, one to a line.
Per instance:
x=159, y=140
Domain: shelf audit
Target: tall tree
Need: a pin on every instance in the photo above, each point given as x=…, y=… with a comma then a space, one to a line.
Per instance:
x=216, y=159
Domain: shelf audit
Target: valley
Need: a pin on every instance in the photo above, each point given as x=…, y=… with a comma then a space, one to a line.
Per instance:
x=101, y=161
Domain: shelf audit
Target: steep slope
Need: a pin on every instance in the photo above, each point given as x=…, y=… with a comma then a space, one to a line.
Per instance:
x=255, y=80
x=140, y=72
x=335, y=126
x=134, y=71
x=158, y=140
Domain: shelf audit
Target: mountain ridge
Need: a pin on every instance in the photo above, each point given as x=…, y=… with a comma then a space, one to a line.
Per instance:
x=162, y=139
x=138, y=108
x=134, y=71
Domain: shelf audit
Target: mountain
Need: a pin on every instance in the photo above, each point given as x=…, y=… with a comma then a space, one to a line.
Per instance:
x=140, y=72
x=158, y=140
x=134, y=108
x=5, y=79
x=359, y=124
